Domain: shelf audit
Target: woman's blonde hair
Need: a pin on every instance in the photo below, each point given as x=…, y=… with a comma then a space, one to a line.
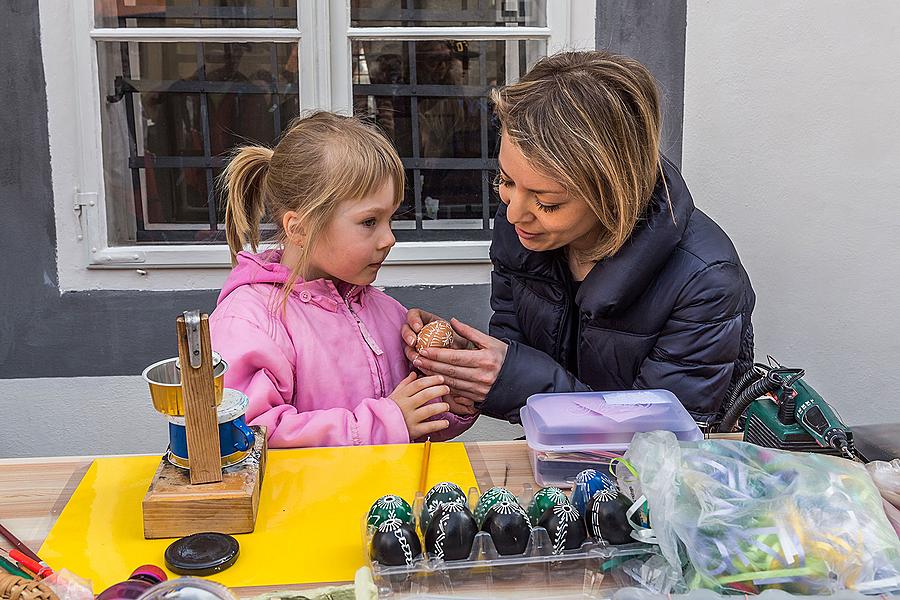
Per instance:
x=321, y=160
x=592, y=121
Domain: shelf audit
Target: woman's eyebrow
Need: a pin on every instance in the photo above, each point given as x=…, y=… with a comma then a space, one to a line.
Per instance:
x=539, y=192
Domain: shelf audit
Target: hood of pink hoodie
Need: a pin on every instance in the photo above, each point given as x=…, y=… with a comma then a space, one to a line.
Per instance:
x=266, y=268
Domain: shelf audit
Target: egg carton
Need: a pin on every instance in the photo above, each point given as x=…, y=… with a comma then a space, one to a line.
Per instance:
x=594, y=570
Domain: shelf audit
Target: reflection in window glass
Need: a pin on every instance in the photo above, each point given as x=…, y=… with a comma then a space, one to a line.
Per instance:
x=431, y=99
x=170, y=114
x=195, y=13
x=448, y=13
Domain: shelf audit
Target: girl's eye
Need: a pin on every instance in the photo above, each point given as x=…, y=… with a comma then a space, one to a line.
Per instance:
x=547, y=208
x=369, y=223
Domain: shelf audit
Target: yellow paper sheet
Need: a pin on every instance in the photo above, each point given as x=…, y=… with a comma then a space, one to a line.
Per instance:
x=308, y=529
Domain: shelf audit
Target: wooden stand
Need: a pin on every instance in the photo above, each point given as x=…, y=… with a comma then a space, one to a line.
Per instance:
x=205, y=497
x=175, y=508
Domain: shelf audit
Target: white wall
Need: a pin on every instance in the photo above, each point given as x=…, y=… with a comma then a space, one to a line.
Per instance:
x=110, y=415
x=792, y=143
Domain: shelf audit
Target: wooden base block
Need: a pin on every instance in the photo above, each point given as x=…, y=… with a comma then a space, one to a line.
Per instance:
x=173, y=507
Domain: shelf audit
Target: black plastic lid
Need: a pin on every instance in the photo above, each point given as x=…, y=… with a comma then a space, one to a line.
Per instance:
x=202, y=554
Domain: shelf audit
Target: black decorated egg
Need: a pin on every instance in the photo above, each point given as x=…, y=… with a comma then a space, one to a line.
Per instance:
x=508, y=524
x=428, y=512
x=395, y=544
x=605, y=517
x=489, y=499
x=565, y=527
x=451, y=533
x=387, y=507
x=543, y=499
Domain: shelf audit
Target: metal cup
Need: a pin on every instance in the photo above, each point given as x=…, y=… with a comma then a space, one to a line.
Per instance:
x=164, y=379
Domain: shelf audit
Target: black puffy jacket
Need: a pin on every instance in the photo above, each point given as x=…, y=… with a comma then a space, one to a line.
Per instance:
x=670, y=310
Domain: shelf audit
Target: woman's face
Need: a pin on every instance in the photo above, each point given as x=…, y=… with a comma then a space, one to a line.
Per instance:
x=545, y=215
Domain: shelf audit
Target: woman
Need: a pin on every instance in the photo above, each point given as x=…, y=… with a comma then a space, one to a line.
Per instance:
x=605, y=274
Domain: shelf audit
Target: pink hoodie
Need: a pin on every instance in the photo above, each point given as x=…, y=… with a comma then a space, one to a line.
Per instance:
x=319, y=373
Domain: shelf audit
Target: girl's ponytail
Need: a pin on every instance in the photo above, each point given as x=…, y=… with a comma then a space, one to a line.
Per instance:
x=244, y=180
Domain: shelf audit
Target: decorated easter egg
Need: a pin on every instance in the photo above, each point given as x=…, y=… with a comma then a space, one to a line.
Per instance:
x=437, y=334
x=543, y=499
x=387, y=507
x=509, y=527
x=395, y=543
x=451, y=533
x=587, y=483
x=605, y=517
x=565, y=527
x=442, y=493
x=489, y=499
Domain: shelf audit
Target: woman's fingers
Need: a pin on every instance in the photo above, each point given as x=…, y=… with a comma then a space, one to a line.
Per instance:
x=458, y=358
x=476, y=336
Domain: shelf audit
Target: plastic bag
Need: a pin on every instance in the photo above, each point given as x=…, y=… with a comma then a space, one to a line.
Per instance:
x=886, y=476
x=732, y=516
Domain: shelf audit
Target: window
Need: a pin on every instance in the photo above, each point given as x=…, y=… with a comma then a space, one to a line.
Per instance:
x=173, y=85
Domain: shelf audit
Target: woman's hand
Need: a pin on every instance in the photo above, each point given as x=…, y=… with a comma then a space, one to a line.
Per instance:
x=470, y=373
x=416, y=318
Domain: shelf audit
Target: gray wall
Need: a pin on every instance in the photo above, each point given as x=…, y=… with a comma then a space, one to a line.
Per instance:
x=791, y=142
x=652, y=31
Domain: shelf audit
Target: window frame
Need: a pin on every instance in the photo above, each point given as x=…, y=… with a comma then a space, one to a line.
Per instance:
x=88, y=261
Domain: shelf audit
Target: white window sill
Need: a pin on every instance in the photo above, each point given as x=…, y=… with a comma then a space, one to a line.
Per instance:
x=180, y=268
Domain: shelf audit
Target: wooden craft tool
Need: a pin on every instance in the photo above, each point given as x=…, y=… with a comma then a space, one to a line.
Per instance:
x=426, y=457
x=205, y=497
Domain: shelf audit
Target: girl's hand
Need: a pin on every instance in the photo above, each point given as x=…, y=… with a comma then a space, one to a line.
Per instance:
x=469, y=373
x=416, y=319
x=412, y=396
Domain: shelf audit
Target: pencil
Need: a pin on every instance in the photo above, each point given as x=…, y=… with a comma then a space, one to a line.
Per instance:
x=18, y=544
x=426, y=456
x=12, y=569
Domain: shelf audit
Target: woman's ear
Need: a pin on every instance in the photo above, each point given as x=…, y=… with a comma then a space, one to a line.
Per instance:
x=293, y=228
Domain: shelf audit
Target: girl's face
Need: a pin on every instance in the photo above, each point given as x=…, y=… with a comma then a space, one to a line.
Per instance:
x=545, y=215
x=356, y=241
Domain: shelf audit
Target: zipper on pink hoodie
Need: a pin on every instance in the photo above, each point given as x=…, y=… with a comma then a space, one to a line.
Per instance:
x=370, y=341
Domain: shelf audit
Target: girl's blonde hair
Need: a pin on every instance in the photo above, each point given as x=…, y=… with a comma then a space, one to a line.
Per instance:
x=592, y=121
x=321, y=160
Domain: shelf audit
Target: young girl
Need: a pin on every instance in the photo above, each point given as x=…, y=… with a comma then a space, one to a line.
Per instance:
x=315, y=347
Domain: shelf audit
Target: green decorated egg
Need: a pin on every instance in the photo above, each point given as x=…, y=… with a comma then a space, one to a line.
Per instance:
x=387, y=507
x=443, y=493
x=543, y=499
x=489, y=499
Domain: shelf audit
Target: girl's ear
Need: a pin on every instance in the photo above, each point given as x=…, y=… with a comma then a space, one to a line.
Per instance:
x=293, y=228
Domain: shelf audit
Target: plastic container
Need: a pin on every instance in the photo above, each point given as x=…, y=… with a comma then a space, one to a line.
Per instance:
x=142, y=579
x=189, y=588
x=567, y=433
x=595, y=570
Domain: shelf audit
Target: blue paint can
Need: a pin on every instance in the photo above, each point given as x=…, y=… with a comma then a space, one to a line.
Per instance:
x=235, y=438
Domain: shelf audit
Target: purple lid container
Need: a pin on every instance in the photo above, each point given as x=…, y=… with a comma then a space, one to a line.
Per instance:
x=581, y=421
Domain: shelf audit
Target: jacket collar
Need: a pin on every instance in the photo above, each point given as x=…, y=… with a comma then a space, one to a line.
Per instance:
x=615, y=282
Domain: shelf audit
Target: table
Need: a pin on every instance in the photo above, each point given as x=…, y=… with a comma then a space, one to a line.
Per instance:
x=34, y=491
